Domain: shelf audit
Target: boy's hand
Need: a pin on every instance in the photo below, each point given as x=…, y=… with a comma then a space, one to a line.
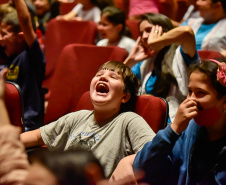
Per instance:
x=2, y=82
x=186, y=111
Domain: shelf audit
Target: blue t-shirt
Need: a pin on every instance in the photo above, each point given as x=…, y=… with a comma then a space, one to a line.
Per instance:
x=202, y=32
x=28, y=70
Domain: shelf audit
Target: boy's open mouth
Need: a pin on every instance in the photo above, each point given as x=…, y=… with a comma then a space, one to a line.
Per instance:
x=102, y=88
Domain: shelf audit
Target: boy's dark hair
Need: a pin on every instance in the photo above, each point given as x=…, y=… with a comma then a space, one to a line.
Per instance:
x=103, y=3
x=115, y=16
x=131, y=82
x=223, y=2
x=69, y=167
x=12, y=20
x=210, y=70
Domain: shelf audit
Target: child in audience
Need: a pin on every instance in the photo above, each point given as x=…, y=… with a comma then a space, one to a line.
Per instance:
x=210, y=28
x=192, y=149
x=159, y=63
x=45, y=10
x=26, y=62
x=110, y=131
x=112, y=29
x=84, y=10
x=192, y=12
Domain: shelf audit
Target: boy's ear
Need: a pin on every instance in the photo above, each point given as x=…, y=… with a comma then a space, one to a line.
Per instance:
x=20, y=36
x=126, y=97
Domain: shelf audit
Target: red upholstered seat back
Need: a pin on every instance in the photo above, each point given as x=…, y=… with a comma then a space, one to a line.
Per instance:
x=209, y=54
x=153, y=109
x=60, y=33
x=14, y=104
x=133, y=27
x=66, y=7
x=77, y=65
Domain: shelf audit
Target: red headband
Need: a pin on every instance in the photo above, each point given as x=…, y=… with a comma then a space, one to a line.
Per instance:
x=221, y=72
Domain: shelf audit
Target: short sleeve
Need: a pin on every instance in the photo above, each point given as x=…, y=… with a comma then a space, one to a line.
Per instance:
x=139, y=133
x=55, y=135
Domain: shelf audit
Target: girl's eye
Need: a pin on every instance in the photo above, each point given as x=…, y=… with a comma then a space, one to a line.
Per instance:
x=202, y=92
x=148, y=30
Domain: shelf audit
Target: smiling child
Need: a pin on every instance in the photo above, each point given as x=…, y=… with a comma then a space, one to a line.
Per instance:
x=107, y=131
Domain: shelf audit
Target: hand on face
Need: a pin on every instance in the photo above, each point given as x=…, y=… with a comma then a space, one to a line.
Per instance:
x=138, y=53
x=156, y=32
x=186, y=111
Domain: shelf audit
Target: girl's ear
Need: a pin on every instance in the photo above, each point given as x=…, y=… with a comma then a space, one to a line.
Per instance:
x=126, y=97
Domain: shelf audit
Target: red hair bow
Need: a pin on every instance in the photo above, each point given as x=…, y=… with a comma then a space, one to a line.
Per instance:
x=221, y=72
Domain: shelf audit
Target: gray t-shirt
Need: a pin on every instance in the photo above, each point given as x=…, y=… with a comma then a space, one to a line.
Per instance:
x=123, y=135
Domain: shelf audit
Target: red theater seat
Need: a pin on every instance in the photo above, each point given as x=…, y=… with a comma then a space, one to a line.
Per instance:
x=14, y=104
x=60, y=33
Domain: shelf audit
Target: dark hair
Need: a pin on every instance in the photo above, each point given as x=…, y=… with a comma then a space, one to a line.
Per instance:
x=223, y=2
x=164, y=79
x=103, y=3
x=131, y=82
x=115, y=16
x=210, y=70
x=12, y=20
x=69, y=167
x=158, y=19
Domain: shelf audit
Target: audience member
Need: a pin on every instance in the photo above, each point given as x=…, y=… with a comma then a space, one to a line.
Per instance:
x=192, y=149
x=192, y=12
x=155, y=60
x=26, y=62
x=196, y=156
x=84, y=10
x=45, y=10
x=112, y=28
x=210, y=28
x=112, y=90
x=75, y=167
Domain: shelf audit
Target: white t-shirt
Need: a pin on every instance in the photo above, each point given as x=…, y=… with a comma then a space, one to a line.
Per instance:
x=125, y=42
x=89, y=15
